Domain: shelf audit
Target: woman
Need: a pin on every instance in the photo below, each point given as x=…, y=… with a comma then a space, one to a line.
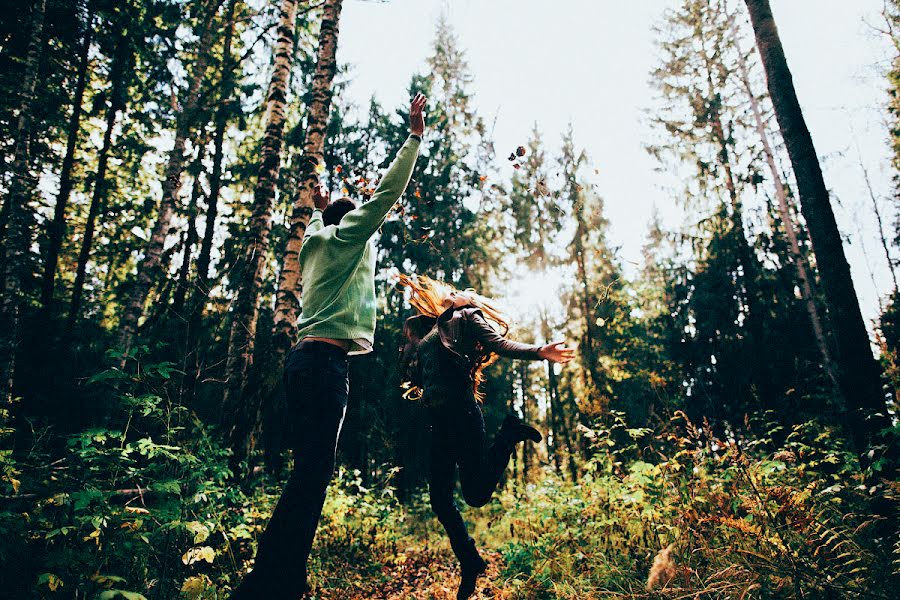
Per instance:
x=448, y=345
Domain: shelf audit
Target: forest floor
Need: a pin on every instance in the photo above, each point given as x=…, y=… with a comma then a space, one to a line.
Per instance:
x=418, y=574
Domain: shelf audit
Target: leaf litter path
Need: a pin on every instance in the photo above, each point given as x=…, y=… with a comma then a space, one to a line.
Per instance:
x=418, y=574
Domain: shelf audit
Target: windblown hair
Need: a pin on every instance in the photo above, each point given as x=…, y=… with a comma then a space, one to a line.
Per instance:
x=427, y=296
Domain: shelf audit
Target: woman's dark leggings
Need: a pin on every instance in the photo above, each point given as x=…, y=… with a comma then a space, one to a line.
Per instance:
x=458, y=438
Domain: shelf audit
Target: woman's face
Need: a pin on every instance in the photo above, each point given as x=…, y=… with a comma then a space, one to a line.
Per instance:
x=455, y=300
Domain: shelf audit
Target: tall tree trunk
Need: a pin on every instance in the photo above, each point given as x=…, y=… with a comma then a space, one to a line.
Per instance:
x=760, y=372
x=57, y=228
x=190, y=235
x=201, y=287
x=798, y=259
x=750, y=267
x=858, y=372
x=241, y=416
x=589, y=357
x=287, y=301
x=19, y=212
x=151, y=268
x=117, y=75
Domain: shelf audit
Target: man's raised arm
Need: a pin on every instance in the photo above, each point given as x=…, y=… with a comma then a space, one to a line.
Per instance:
x=361, y=223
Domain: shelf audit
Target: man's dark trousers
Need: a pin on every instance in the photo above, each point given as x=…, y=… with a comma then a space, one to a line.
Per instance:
x=316, y=385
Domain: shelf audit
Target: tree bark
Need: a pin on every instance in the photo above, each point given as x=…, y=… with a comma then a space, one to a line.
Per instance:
x=57, y=229
x=120, y=65
x=241, y=417
x=858, y=372
x=190, y=235
x=798, y=259
x=201, y=287
x=19, y=212
x=287, y=301
x=151, y=269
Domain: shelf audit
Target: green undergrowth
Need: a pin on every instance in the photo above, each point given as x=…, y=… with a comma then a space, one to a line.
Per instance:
x=146, y=508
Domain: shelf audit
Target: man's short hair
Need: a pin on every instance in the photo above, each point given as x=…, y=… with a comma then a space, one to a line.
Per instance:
x=336, y=210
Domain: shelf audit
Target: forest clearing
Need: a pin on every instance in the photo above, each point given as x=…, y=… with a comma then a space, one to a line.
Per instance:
x=310, y=299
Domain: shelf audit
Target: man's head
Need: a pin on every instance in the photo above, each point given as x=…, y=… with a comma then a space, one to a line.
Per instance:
x=336, y=210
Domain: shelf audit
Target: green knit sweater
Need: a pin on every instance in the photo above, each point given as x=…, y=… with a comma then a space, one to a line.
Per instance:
x=337, y=262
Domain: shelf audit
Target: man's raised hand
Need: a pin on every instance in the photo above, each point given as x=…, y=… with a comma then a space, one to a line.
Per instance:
x=416, y=116
x=320, y=196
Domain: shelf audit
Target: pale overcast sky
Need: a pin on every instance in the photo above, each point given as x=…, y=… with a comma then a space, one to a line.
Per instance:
x=588, y=62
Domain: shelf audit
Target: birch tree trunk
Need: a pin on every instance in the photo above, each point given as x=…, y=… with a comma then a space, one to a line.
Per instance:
x=58, y=225
x=287, y=302
x=240, y=416
x=150, y=268
x=858, y=372
x=19, y=212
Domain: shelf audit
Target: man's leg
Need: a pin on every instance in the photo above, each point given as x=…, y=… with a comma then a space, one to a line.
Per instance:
x=316, y=386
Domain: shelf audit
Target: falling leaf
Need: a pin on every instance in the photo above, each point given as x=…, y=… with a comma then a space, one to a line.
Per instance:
x=596, y=171
x=512, y=156
x=517, y=166
x=520, y=151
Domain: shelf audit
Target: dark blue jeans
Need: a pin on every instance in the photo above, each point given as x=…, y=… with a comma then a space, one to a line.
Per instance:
x=317, y=385
x=458, y=439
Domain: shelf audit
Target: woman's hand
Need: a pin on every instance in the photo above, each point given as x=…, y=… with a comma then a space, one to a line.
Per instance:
x=556, y=352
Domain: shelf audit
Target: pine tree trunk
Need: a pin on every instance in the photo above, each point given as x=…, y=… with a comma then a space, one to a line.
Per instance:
x=801, y=266
x=19, y=212
x=243, y=418
x=589, y=358
x=190, y=236
x=201, y=287
x=57, y=229
x=287, y=302
x=858, y=372
x=117, y=75
x=151, y=267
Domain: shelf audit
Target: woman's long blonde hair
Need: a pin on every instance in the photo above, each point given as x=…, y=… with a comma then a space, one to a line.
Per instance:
x=427, y=296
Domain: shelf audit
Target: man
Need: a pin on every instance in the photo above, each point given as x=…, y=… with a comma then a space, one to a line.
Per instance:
x=337, y=263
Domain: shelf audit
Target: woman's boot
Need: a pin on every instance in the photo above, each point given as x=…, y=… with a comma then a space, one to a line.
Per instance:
x=515, y=430
x=471, y=566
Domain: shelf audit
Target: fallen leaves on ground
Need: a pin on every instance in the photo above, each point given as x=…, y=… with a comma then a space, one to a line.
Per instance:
x=417, y=574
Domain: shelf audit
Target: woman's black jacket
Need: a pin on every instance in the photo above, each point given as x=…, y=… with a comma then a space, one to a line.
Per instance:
x=466, y=334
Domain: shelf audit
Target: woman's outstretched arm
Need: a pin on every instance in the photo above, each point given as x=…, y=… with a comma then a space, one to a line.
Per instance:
x=492, y=341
